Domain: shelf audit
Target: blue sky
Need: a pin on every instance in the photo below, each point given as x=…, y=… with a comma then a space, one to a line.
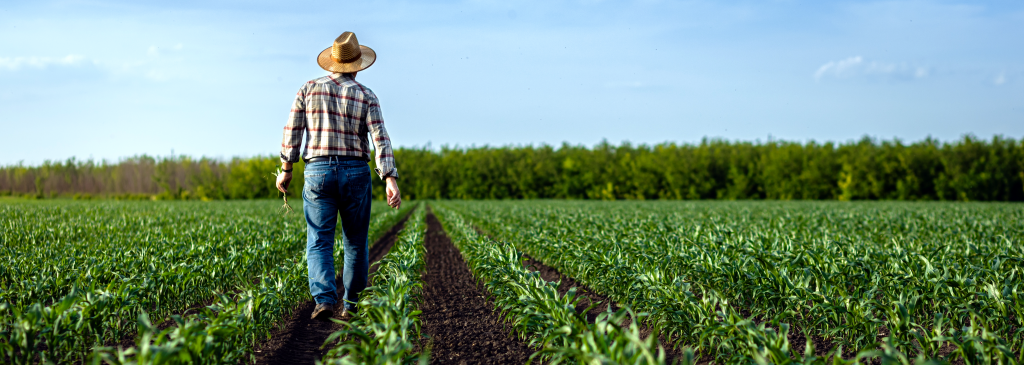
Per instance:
x=108, y=79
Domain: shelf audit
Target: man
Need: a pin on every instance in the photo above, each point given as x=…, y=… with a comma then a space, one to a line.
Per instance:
x=336, y=113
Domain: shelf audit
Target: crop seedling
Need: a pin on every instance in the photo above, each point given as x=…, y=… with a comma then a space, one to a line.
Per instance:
x=78, y=275
x=286, y=208
x=727, y=278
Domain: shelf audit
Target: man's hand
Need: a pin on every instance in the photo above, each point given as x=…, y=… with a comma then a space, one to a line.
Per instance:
x=284, y=178
x=394, y=196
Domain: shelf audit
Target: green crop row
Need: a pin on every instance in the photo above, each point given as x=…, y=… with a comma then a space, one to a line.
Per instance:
x=78, y=278
x=227, y=331
x=387, y=328
x=936, y=281
x=78, y=275
x=539, y=313
x=223, y=332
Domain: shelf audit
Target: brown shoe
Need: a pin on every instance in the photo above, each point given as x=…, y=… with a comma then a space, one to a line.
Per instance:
x=346, y=315
x=323, y=312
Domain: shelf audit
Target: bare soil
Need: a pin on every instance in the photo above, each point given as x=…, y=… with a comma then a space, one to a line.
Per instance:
x=299, y=341
x=462, y=325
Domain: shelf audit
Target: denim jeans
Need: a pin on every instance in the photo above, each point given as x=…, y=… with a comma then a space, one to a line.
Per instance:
x=333, y=187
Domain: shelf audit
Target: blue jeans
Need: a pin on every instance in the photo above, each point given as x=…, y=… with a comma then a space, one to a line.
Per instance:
x=333, y=187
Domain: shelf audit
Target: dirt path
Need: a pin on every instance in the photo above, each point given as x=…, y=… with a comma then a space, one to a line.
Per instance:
x=299, y=342
x=463, y=326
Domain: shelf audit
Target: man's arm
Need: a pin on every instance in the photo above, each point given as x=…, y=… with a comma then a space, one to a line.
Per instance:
x=385, y=157
x=292, y=142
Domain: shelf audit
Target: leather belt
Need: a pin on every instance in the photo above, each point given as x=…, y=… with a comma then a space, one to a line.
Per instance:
x=334, y=158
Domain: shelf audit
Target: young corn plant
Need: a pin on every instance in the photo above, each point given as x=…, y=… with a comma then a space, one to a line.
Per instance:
x=607, y=342
x=86, y=267
x=857, y=275
x=286, y=208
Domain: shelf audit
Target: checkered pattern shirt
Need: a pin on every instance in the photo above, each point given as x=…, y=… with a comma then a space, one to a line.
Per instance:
x=336, y=113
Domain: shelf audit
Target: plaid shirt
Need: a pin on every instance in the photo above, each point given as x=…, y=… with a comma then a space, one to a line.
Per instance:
x=336, y=112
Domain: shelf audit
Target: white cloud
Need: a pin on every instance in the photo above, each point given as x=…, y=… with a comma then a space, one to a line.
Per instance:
x=158, y=75
x=154, y=51
x=999, y=80
x=858, y=67
x=16, y=63
x=158, y=66
x=162, y=63
x=838, y=67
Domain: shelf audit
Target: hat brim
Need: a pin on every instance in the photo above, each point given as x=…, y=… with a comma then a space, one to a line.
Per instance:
x=329, y=64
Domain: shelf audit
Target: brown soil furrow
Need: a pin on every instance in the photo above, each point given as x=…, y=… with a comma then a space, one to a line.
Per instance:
x=462, y=325
x=300, y=340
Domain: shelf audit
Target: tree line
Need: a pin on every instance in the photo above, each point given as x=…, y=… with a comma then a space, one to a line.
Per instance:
x=969, y=169
x=145, y=177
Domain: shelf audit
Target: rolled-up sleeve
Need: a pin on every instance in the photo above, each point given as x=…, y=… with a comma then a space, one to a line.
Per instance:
x=292, y=142
x=385, y=157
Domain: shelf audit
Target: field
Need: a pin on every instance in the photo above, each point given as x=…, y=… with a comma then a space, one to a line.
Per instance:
x=517, y=281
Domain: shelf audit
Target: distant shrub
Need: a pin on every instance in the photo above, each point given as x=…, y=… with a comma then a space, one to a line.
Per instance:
x=967, y=169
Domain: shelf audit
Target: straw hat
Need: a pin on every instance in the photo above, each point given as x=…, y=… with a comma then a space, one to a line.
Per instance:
x=346, y=55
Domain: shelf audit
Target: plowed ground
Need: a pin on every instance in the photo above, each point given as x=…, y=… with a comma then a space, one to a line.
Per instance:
x=462, y=325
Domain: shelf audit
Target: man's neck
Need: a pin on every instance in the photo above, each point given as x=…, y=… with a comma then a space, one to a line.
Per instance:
x=338, y=75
